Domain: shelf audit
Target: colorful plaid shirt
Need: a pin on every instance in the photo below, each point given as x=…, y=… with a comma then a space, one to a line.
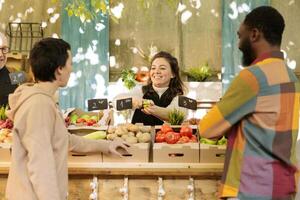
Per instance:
x=259, y=114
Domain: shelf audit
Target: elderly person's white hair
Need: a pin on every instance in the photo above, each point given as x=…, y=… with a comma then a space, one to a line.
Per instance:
x=3, y=40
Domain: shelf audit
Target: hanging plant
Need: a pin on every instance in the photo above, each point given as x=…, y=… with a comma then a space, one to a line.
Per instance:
x=128, y=78
x=86, y=11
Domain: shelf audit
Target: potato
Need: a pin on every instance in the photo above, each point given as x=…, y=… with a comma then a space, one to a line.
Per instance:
x=139, y=134
x=145, y=138
x=133, y=128
x=111, y=130
x=131, y=140
x=111, y=136
x=124, y=137
x=131, y=134
x=145, y=129
x=121, y=131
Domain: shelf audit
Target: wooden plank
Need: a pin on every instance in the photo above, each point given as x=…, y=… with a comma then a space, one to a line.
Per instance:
x=145, y=169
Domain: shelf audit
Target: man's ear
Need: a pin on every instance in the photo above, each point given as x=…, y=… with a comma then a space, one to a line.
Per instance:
x=59, y=70
x=255, y=35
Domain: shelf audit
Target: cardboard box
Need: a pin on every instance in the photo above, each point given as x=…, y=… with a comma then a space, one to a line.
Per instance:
x=176, y=153
x=137, y=153
x=5, y=152
x=212, y=153
x=84, y=158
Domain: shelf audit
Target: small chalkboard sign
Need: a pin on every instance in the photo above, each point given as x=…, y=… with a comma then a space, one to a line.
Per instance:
x=97, y=104
x=124, y=104
x=17, y=77
x=187, y=103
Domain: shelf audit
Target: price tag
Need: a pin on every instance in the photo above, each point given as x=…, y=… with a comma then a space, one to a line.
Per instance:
x=187, y=103
x=124, y=104
x=17, y=77
x=97, y=104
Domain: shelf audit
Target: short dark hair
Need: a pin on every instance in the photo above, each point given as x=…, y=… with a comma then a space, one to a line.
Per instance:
x=176, y=85
x=269, y=21
x=46, y=56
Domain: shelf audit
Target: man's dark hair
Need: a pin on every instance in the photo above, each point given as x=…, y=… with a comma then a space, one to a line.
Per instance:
x=269, y=21
x=46, y=56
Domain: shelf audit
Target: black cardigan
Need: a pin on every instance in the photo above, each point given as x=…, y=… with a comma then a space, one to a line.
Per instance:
x=150, y=120
x=6, y=86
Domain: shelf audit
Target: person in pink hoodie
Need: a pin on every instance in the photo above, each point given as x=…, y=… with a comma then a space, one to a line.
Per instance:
x=41, y=141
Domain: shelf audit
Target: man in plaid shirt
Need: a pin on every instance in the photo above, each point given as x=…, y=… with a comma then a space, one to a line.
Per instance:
x=259, y=115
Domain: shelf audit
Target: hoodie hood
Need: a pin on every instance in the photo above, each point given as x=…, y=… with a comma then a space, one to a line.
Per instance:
x=22, y=94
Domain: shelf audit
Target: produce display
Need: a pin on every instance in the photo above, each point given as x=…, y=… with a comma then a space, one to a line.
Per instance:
x=222, y=141
x=83, y=118
x=6, y=126
x=168, y=135
x=130, y=133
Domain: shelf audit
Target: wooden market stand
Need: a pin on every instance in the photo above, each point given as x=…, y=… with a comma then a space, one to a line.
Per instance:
x=142, y=180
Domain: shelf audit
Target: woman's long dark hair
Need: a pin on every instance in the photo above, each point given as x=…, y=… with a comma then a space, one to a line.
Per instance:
x=176, y=85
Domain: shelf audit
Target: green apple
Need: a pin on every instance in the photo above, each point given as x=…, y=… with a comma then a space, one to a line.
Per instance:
x=73, y=118
x=97, y=135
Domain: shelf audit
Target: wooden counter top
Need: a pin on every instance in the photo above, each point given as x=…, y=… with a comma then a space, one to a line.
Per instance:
x=139, y=169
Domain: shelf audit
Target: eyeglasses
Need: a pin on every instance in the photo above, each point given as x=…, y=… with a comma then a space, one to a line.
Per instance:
x=4, y=50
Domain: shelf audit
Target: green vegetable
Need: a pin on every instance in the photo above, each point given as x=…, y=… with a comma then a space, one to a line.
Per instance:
x=208, y=141
x=97, y=135
x=176, y=117
x=222, y=141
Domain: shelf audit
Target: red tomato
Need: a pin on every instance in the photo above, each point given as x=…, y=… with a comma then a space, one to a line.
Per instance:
x=177, y=135
x=80, y=120
x=194, y=139
x=90, y=122
x=183, y=139
x=160, y=137
x=186, y=131
x=171, y=138
x=166, y=128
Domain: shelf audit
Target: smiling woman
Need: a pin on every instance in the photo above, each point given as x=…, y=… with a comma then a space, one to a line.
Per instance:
x=160, y=95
